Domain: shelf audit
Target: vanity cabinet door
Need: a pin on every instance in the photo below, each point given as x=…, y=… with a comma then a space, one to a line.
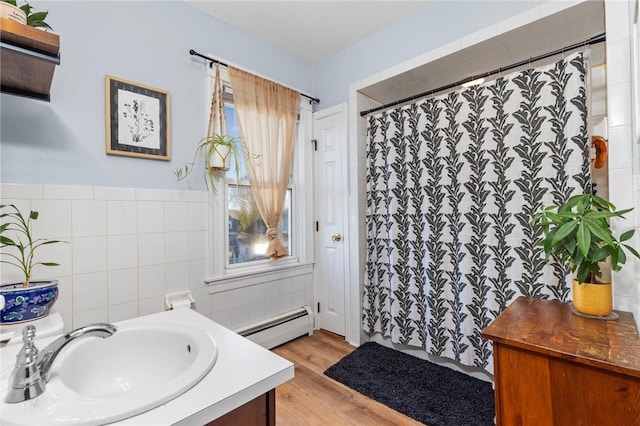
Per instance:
x=258, y=412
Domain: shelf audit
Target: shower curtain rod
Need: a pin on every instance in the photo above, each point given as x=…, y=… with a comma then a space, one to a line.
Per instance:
x=215, y=61
x=593, y=40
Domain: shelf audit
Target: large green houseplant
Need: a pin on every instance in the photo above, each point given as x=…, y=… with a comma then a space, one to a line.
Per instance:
x=218, y=150
x=28, y=299
x=577, y=233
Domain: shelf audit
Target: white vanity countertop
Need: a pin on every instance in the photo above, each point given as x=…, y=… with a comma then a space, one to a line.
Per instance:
x=242, y=372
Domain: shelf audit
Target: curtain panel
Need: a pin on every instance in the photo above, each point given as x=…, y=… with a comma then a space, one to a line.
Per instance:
x=452, y=184
x=267, y=113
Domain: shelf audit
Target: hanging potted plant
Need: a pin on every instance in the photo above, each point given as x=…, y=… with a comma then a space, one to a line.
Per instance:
x=28, y=300
x=219, y=151
x=577, y=233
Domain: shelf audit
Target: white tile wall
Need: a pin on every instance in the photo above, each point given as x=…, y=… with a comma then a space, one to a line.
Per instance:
x=150, y=216
x=89, y=218
x=125, y=248
x=246, y=305
x=54, y=218
x=175, y=216
x=177, y=277
x=123, y=311
x=621, y=156
x=59, y=192
x=151, y=281
x=122, y=286
x=89, y=254
x=197, y=269
x=122, y=251
x=90, y=291
x=122, y=217
x=621, y=179
x=151, y=249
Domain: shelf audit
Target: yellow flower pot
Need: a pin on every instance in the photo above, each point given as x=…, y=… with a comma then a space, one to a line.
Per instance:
x=593, y=299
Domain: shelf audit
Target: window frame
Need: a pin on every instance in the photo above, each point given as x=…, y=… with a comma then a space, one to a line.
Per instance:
x=223, y=275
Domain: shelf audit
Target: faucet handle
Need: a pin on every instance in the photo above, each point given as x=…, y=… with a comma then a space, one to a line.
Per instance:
x=29, y=351
x=26, y=381
x=28, y=334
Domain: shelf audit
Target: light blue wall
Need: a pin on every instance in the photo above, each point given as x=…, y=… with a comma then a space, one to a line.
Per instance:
x=434, y=24
x=63, y=142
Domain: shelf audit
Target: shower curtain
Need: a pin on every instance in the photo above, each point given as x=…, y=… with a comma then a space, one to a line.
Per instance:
x=452, y=184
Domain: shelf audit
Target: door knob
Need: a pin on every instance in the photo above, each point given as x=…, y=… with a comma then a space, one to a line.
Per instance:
x=336, y=237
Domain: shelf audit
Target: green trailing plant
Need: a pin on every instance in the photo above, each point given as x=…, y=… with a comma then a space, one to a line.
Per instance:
x=578, y=234
x=16, y=234
x=34, y=19
x=207, y=146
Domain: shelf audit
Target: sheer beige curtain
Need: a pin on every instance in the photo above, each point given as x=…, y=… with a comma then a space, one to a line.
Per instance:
x=267, y=114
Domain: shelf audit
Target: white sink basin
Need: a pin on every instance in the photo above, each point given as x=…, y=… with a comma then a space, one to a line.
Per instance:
x=97, y=381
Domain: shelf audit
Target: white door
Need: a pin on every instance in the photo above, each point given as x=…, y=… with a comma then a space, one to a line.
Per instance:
x=331, y=192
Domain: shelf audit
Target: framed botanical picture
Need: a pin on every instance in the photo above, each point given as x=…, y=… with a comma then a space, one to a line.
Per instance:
x=138, y=120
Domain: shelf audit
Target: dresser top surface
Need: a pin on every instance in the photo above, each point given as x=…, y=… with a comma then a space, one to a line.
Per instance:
x=550, y=327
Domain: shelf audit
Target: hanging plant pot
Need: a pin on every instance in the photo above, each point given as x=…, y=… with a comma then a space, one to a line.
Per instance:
x=23, y=304
x=12, y=12
x=219, y=158
x=592, y=299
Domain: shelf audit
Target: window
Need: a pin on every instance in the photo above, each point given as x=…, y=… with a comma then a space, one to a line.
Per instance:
x=242, y=249
x=246, y=240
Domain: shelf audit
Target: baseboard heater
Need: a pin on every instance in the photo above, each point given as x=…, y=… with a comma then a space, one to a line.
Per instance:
x=279, y=329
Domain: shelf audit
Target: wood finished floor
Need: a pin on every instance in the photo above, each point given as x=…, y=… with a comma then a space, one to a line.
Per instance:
x=311, y=398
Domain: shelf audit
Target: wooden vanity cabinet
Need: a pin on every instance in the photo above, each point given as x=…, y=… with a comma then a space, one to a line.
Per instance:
x=260, y=411
x=553, y=367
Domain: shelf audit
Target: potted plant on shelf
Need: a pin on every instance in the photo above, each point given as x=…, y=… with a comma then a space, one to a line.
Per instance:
x=28, y=300
x=218, y=151
x=23, y=14
x=577, y=233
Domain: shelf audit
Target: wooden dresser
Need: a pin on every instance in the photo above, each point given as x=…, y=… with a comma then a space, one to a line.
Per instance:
x=553, y=367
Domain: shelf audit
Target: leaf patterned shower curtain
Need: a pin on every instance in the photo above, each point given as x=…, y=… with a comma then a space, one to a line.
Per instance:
x=452, y=184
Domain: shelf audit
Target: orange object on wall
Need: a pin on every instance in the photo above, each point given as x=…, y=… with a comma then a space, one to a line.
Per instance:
x=600, y=144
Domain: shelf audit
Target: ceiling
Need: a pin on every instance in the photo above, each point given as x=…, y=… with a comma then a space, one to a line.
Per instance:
x=310, y=30
x=553, y=32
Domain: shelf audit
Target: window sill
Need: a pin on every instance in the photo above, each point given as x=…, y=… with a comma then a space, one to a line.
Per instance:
x=248, y=278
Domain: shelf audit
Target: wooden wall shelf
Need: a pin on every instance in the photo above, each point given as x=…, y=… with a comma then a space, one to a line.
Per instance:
x=28, y=58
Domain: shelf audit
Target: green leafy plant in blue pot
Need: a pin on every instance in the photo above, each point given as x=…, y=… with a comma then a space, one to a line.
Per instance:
x=28, y=300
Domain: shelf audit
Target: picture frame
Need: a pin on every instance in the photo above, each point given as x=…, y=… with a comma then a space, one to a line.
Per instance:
x=138, y=120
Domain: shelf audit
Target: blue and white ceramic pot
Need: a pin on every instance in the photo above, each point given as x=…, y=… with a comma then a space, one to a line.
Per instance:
x=23, y=304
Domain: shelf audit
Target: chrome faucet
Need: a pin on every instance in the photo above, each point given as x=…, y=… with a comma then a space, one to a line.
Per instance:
x=31, y=373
